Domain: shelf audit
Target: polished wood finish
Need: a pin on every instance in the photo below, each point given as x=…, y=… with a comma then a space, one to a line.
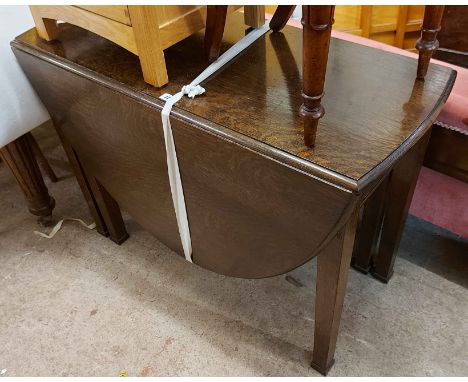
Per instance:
x=259, y=201
x=109, y=210
x=369, y=228
x=20, y=159
x=332, y=274
x=317, y=22
x=384, y=214
x=82, y=181
x=400, y=190
x=281, y=17
x=144, y=30
x=428, y=43
x=215, y=21
x=41, y=159
x=346, y=126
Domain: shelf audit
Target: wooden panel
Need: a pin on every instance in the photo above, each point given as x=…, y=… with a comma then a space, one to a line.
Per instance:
x=242, y=206
x=114, y=31
x=347, y=17
x=114, y=12
x=168, y=14
x=181, y=21
x=354, y=121
x=254, y=15
x=390, y=24
x=416, y=13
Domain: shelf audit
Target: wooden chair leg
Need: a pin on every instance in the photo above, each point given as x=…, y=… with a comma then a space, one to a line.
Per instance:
x=281, y=17
x=369, y=227
x=317, y=22
x=43, y=162
x=400, y=190
x=19, y=157
x=147, y=37
x=215, y=22
x=332, y=275
x=46, y=28
x=254, y=15
x=110, y=211
x=428, y=43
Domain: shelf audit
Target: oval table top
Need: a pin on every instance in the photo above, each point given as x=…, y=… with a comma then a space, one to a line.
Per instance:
x=375, y=109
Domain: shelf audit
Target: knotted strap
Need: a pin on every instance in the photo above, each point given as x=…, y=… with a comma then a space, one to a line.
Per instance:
x=192, y=90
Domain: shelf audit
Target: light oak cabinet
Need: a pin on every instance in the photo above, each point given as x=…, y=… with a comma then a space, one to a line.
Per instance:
x=143, y=30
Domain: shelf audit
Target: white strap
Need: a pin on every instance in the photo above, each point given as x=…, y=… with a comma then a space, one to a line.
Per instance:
x=59, y=225
x=191, y=91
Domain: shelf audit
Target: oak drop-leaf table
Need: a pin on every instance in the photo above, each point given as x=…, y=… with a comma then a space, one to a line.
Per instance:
x=260, y=203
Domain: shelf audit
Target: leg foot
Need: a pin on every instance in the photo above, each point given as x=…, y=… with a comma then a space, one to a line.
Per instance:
x=110, y=211
x=400, y=189
x=215, y=21
x=281, y=17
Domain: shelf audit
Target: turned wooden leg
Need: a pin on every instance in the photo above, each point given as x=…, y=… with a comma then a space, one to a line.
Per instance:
x=369, y=227
x=281, y=17
x=317, y=23
x=215, y=21
x=428, y=43
x=110, y=211
x=145, y=28
x=254, y=15
x=20, y=159
x=83, y=183
x=400, y=190
x=42, y=160
x=332, y=275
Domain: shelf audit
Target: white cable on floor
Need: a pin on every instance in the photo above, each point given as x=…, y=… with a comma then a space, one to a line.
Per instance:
x=191, y=91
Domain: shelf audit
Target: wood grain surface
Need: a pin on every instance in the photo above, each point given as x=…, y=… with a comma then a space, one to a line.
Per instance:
x=366, y=128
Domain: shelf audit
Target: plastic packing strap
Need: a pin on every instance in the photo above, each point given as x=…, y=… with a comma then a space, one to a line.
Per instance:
x=59, y=225
x=192, y=90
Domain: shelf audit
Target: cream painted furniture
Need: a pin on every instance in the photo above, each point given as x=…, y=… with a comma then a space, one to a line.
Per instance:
x=145, y=30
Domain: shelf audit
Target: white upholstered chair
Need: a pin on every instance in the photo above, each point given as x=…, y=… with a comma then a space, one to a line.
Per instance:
x=21, y=111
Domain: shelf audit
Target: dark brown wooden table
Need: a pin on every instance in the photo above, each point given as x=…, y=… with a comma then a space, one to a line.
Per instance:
x=260, y=203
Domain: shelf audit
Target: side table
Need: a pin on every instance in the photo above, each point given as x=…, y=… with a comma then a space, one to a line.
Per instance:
x=259, y=202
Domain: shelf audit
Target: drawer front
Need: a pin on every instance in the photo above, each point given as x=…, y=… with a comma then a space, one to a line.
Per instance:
x=114, y=12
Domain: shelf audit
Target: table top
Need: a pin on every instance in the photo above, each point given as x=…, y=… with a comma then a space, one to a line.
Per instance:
x=375, y=109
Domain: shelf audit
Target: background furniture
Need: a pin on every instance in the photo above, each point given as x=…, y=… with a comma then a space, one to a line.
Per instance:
x=438, y=199
x=397, y=25
x=22, y=111
x=317, y=23
x=244, y=172
x=145, y=30
x=447, y=151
